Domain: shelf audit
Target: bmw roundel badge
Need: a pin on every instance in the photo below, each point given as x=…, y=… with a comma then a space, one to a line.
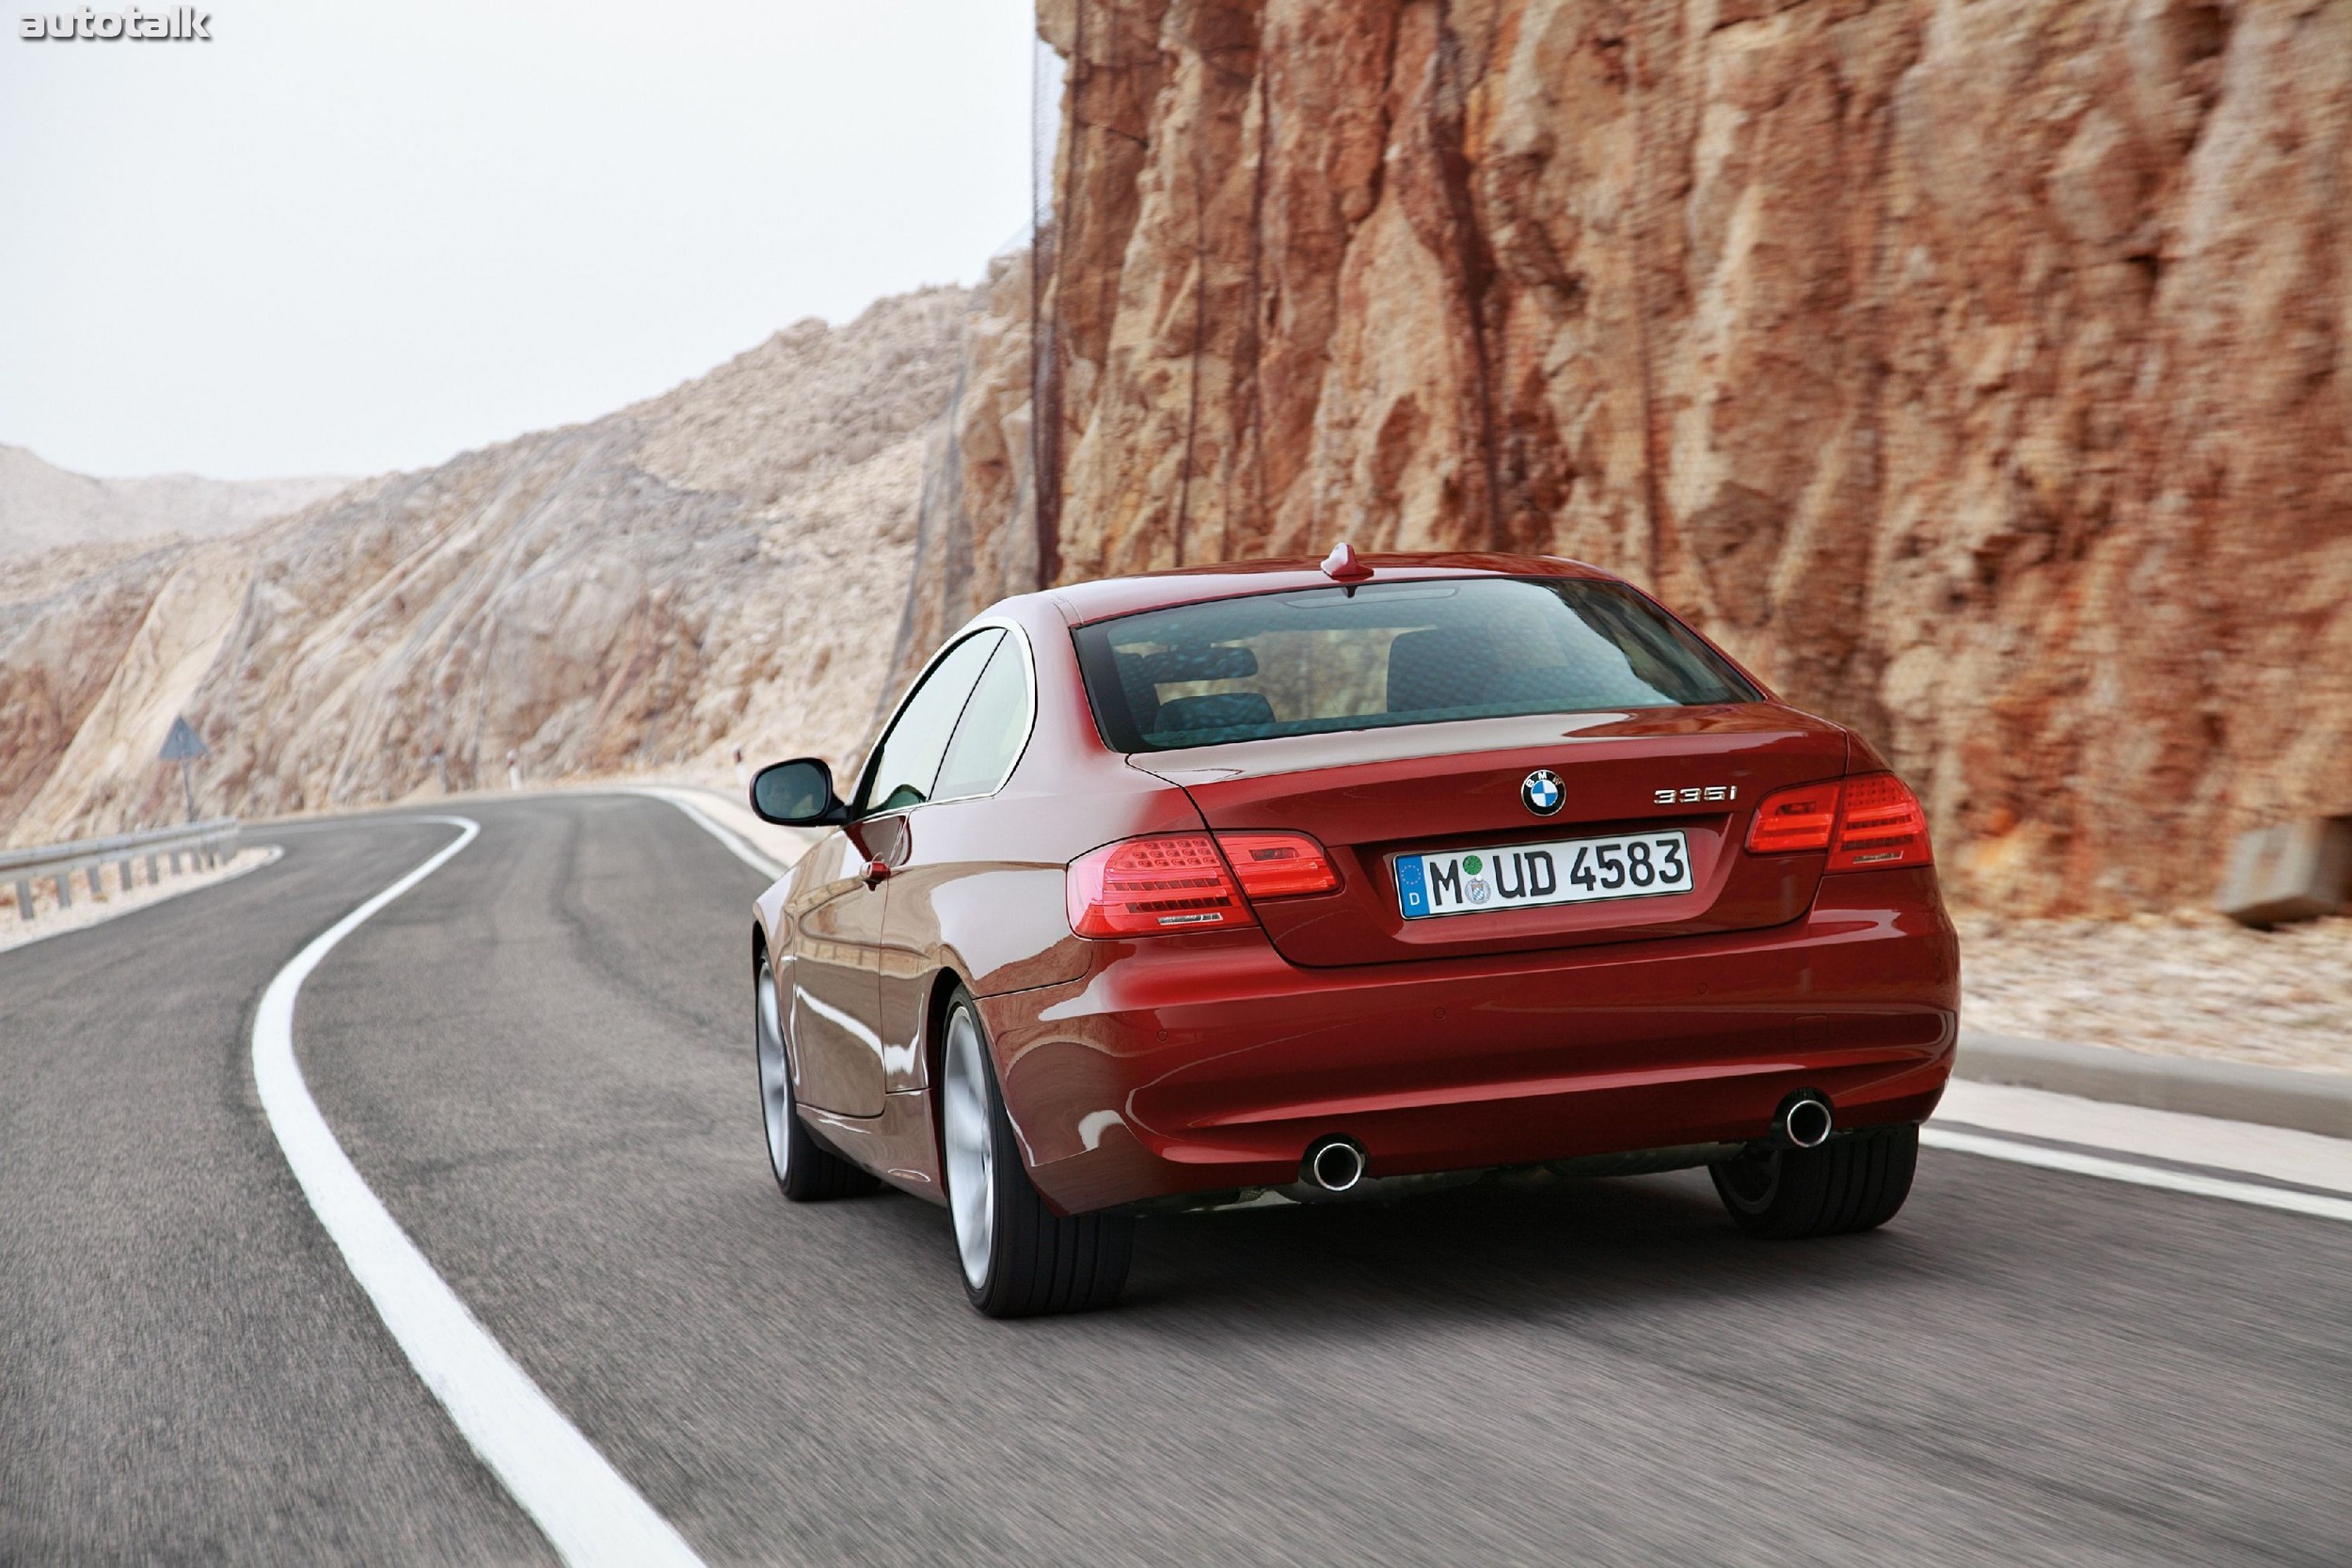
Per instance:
x=1542, y=792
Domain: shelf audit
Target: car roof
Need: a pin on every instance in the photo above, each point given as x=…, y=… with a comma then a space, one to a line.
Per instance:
x=1084, y=603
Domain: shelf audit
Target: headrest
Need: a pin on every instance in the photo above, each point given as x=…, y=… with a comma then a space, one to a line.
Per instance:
x=1134, y=681
x=1200, y=662
x=1441, y=667
x=1222, y=710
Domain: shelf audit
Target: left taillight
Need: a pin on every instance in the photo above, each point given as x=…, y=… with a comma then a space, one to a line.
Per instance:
x=1152, y=886
x=1279, y=866
x=1172, y=882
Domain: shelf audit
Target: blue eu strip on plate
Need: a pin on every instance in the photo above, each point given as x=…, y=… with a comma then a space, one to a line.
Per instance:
x=1411, y=887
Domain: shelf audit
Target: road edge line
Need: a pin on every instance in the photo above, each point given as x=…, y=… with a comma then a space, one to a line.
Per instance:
x=589, y=1513
x=2313, y=1204
x=733, y=842
x=2300, y=1100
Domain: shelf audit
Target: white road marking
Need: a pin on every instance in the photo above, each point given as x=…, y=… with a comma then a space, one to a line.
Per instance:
x=2144, y=1175
x=735, y=844
x=588, y=1512
x=2239, y=1147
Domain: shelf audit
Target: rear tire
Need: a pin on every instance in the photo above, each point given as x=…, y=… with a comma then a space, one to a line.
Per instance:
x=1019, y=1258
x=1855, y=1183
x=807, y=1170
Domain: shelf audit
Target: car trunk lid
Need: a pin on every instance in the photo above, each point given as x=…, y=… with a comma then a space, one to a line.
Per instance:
x=1376, y=795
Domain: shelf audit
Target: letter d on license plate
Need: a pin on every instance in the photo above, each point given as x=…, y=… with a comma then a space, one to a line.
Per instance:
x=1529, y=876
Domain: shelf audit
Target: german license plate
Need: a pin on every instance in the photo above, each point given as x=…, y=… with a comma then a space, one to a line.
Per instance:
x=1531, y=876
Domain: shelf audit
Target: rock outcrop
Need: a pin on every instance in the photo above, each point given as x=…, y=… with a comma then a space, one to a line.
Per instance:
x=1981, y=374
x=716, y=567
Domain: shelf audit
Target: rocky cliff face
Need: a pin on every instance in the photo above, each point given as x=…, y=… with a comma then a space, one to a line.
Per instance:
x=705, y=570
x=1981, y=372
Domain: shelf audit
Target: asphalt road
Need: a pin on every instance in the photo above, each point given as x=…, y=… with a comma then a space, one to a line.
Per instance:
x=540, y=1060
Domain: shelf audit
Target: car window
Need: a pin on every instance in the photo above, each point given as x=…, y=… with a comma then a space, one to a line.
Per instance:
x=1389, y=654
x=995, y=727
x=906, y=763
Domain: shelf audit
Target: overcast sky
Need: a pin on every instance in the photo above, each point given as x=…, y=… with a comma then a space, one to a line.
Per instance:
x=347, y=238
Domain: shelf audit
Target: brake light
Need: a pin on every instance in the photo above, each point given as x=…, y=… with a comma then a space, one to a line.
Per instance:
x=1866, y=823
x=1279, y=866
x=1791, y=821
x=1880, y=824
x=1152, y=887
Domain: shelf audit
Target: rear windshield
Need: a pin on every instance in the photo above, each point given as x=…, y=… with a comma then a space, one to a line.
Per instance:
x=1388, y=653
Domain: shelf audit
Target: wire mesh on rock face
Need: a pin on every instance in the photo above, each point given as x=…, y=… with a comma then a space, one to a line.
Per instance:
x=1049, y=83
x=1046, y=75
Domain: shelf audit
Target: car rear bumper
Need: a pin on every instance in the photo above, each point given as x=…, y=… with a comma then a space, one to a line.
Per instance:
x=1200, y=1064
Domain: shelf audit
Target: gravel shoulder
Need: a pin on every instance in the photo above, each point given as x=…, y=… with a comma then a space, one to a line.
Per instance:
x=2185, y=984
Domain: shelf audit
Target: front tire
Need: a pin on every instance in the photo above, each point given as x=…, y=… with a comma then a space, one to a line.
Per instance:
x=807, y=1170
x=1857, y=1183
x=1019, y=1257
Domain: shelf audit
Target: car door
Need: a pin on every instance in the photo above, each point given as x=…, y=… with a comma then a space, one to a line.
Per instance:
x=836, y=1004
x=837, y=917
x=951, y=838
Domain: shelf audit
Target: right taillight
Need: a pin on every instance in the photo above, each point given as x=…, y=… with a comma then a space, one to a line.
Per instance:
x=1866, y=823
x=1153, y=887
x=1880, y=824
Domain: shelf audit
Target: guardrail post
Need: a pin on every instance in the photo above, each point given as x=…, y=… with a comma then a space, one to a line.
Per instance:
x=196, y=847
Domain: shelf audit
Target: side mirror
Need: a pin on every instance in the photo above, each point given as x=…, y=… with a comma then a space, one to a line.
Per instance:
x=797, y=794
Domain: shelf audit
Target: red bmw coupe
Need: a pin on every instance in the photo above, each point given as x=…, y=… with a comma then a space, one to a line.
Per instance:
x=1342, y=879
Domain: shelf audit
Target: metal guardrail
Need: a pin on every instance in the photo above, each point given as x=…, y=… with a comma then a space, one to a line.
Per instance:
x=205, y=844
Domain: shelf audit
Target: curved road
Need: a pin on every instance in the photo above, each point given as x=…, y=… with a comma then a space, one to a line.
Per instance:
x=539, y=1060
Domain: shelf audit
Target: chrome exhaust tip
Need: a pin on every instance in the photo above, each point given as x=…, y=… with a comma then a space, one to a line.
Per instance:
x=1334, y=1164
x=1804, y=1121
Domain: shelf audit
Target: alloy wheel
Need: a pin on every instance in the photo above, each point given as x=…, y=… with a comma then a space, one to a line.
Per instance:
x=775, y=1086
x=970, y=1147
